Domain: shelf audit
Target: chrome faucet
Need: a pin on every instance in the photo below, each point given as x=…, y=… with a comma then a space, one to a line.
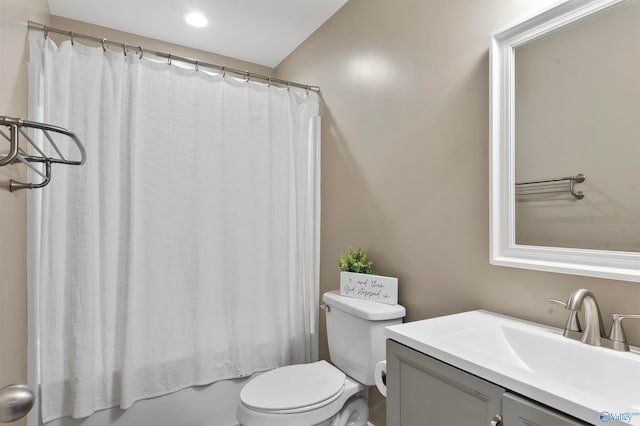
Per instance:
x=583, y=299
x=593, y=332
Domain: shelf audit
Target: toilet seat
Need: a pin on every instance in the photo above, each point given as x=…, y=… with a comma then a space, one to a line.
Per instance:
x=294, y=388
x=304, y=416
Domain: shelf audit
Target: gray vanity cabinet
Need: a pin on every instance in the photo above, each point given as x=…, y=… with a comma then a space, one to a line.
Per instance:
x=422, y=391
x=518, y=411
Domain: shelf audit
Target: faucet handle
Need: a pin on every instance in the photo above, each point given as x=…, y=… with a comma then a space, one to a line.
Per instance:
x=573, y=323
x=617, y=335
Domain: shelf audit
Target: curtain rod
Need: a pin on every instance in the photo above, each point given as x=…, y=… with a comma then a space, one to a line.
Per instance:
x=140, y=50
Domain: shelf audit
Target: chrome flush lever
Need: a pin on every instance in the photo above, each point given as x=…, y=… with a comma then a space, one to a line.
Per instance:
x=496, y=421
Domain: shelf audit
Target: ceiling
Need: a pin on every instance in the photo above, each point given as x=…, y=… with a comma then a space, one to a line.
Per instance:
x=259, y=31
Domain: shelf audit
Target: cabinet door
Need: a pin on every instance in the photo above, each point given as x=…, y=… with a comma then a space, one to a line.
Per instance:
x=519, y=411
x=422, y=391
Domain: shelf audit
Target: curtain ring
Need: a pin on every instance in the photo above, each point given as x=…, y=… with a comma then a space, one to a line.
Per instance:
x=288, y=86
x=197, y=66
x=104, y=47
x=247, y=77
x=169, y=59
x=269, y=84
x=224, y=72
x=46, y=32
x=124, y=49
x=308, y=88
x=71, y=36
x=141, y=51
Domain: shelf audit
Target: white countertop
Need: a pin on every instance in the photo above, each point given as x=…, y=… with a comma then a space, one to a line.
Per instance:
x=533, y=360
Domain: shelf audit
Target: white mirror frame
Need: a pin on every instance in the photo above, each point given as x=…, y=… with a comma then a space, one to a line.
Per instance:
x=503, y=249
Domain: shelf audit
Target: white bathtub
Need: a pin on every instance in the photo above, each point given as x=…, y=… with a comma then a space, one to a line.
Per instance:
x=212, y=405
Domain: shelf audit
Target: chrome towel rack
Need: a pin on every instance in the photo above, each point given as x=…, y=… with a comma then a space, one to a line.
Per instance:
x=36, y=154
x=555, y=185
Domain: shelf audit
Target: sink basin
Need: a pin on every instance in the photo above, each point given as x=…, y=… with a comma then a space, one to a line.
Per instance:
x=534, y=360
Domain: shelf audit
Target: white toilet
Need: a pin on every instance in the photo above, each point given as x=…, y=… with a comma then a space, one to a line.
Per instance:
x=320, y=394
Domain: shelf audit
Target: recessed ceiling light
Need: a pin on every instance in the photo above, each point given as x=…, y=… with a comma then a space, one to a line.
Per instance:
x=196, y=19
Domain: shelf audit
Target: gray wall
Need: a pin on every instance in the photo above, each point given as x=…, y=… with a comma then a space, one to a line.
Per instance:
x=405, y=86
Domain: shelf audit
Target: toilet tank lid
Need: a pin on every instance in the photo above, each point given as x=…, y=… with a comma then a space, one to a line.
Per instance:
x=365, y=309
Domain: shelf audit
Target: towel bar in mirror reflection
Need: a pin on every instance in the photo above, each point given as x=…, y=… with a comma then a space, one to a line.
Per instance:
x=552, y=186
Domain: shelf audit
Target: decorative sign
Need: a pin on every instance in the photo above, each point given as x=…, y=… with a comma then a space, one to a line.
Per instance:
x=376, y=288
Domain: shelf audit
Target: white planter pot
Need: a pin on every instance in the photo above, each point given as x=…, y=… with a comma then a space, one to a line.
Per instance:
x=376, y=288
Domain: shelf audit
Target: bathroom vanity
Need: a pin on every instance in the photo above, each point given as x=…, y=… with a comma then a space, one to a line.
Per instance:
x=423, y=390
x=482, y=368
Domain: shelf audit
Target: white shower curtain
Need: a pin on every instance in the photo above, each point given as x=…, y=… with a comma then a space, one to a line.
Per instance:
x=185, y=250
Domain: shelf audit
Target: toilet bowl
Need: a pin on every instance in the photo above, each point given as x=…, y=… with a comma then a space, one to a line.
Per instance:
x=319, y=393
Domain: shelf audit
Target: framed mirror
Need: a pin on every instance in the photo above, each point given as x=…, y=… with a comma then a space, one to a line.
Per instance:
x=565, y=141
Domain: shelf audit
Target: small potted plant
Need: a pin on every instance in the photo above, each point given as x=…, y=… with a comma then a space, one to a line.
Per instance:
x=358, y=280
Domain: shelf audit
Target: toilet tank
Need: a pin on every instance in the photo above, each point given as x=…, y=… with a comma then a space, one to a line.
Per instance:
x=355, y=331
